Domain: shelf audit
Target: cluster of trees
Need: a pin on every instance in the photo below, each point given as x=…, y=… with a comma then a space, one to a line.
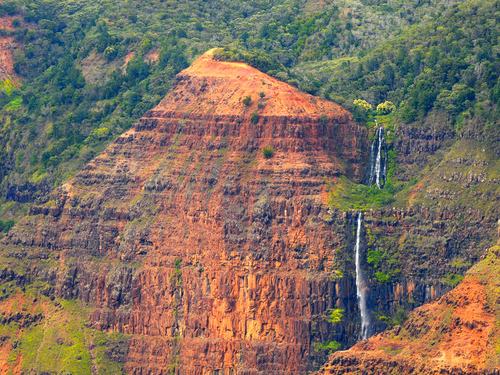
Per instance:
x=258, y=59
x=60, y=115
x=446, y=64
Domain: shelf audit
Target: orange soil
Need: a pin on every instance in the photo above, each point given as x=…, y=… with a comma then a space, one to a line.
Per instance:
x=152, y=56
x=6, y=307
x=415, y=191
x=228, y=83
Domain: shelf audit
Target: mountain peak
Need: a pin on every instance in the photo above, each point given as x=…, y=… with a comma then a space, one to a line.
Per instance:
x=219, y=88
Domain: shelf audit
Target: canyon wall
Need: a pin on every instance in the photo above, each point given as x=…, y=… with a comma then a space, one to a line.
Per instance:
x=185, y=236
x=217, y=260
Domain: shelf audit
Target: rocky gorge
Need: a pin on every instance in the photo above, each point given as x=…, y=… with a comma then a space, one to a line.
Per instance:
x=207, y=257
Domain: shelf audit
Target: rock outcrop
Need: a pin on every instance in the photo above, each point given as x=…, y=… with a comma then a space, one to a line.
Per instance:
x=458, y=334
x=182, y=234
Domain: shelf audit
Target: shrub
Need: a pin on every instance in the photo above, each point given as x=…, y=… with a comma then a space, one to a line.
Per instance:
x=6, y=226
x=110, y=53
x=247, y=101
x=98, y=134
x=258, y=59
x=323, y=120
x=254, y=117
x=262, y=94
x=374, y=257
x=268, y=152
x=408, y=114
x=400, y=317
x=382, y=277
x=331, y=346
x=146, y=45
x=452, y=279
x=363, y=104
x=385, y=108
x=361, y=110
x=336, y=315
x=261, y=106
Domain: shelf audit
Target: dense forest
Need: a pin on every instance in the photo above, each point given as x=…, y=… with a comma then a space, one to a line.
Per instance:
x=89, y=69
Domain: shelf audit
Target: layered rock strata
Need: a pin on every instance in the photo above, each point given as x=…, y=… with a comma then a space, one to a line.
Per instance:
x=183, y=235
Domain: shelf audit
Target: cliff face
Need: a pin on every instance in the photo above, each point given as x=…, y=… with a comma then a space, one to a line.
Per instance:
x=458, y=334
x=183, y=235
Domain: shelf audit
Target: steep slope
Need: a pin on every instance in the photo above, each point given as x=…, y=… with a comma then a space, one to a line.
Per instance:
x=458, y=334
x=183, y=236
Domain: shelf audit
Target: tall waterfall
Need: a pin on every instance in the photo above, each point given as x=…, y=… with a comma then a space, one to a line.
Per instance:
x=360, y=283
x=376, y=172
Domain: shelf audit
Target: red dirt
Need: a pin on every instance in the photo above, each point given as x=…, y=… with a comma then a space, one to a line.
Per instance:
x=223, y=85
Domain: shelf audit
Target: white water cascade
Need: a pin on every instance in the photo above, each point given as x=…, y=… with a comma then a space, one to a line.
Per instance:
x=377, y=166
x=378, y=162
x=360, y=284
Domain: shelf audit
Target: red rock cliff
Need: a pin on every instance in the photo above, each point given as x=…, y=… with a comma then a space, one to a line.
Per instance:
x=183, y=235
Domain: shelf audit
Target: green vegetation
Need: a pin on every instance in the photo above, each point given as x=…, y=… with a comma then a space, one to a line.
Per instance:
x=5, y=226
x=348, y=195
x=452, y=279
x=247, y=101
x=76, y=81
x=400, y=317
x=331, y=346
x=336, y=315
x=59, y=340
x=254, y=117
x=176, y=276
x=385, y=108
x=89, y=70
x=382, y=277
x=268, y=152
x=363, y=104
x=258, y=59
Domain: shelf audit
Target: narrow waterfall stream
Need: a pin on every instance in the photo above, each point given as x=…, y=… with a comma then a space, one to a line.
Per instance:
x=378, y=162
x=376, y=172
x=360, y=284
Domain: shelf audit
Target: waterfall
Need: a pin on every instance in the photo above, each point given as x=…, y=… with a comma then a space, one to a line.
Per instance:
x=360, y=283
x=378, y=162
x=376, y=172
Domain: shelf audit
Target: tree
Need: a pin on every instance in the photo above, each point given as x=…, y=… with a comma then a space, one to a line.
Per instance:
x=385, y=108
x=254, y=117
x=363, y=104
